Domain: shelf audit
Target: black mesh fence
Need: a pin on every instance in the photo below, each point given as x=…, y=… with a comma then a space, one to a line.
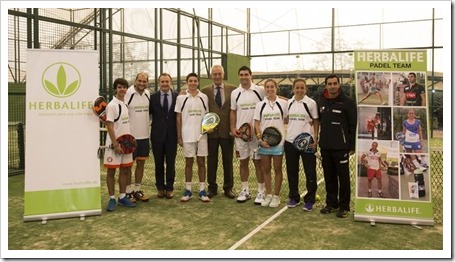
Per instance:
x=16, y=162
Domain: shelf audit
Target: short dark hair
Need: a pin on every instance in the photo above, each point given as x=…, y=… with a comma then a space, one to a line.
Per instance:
x=120, y=81
x=244, y=68
x=412, y=73
x=190, y=75
x=165, y=74
x=331, y=76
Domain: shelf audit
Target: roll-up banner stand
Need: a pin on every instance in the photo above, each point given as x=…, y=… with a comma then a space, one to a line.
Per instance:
x=393, y=167
x=62, y=172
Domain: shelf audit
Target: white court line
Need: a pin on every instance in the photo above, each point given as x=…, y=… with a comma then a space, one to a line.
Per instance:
x=252, y=233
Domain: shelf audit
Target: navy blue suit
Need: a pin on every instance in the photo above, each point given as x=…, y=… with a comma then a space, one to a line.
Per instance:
x=164, y=141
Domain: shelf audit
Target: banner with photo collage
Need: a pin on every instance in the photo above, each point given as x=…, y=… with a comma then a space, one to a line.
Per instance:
x=393, y=168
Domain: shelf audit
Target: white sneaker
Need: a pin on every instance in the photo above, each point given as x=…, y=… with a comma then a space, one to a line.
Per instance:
x=259, y=198
x=243, y=196
x=267, y=200
x=203, y=196
x=276, y=201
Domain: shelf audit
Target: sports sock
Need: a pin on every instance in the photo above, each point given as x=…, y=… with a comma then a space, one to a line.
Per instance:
x=128, y=189
x=245, y=186
x=201, y=186
x=112, y=197
x=188, y=186
x=261, y=187
x=121, y=195
x=137, y=187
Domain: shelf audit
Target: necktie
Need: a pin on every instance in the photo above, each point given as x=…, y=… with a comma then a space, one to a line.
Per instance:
x=165, y=103
x=218, y=96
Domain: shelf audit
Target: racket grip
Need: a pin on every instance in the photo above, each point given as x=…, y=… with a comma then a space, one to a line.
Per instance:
x=199, y=138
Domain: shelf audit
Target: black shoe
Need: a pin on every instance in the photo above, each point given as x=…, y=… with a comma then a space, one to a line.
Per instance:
x=328, y=209
x=229, y=194
x=342, y=213
x=211, y=194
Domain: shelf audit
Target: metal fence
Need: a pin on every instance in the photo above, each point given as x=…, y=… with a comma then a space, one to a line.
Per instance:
x=17, y=144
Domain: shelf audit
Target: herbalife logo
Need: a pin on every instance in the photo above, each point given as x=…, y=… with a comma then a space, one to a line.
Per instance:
x=369, y=208
x=61, y=79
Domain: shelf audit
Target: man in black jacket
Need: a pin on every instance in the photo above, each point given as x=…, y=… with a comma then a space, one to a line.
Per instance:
x=338, y=122
x=164, y=135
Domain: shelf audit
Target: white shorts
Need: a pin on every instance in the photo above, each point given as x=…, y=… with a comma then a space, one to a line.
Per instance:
x=192, y=149
x=114, y=160
x=247, y=149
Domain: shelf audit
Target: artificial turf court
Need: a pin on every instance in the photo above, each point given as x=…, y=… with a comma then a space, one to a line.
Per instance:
x=222, y=224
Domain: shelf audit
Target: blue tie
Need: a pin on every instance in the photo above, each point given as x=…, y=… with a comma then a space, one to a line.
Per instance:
x=165, y=104
x=218, y=97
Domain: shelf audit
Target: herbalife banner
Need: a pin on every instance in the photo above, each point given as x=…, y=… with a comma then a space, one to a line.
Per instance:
x=62, y=174
x=393, y=169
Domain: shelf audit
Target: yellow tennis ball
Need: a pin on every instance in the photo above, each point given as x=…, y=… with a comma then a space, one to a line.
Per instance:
x=318, y=198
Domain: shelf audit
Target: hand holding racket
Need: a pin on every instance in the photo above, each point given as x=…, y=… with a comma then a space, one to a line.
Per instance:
x=245, y=131
x=209, y=122
x=400, y=136
x=99, y=108
x=126, y=142
x=272, y=136
x=302, y=143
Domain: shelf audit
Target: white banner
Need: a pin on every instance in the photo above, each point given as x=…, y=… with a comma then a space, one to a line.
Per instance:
x=62, y=171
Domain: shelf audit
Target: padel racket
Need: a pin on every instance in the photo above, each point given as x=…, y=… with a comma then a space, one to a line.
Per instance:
x=127, y=143
x=99, y=107
x=209, y=122
x=272, y=136
x=302, y=143
x=400, y=137
x=246, y=131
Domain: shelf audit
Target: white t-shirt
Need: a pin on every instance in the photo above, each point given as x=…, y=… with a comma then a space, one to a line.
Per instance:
x=138, y=106
x=244, y=102
x=194, y=110
x=271, y=115
x=373, y=160
x=299, y=119
x=122, y=125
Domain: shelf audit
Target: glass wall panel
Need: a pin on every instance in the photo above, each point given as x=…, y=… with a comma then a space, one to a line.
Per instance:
x=232, y=17
x=357, y=37
x=309, y=40
x=438, y=33
x=186, y=30
x=319, y=62
x=402, y=35
x=217, y=40
x=236, y=43
x=270, y=43
x=169, y=26
x=204, y=33
x=138, y=21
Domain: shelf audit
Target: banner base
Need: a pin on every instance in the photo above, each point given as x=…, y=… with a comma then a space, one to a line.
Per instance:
x=394, y=220
x=81, y=214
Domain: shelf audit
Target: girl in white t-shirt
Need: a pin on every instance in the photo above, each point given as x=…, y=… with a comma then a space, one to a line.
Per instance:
x=272, y=111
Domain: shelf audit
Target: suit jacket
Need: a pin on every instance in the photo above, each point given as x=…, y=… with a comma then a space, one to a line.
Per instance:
x=163, y=125
x=223, y=129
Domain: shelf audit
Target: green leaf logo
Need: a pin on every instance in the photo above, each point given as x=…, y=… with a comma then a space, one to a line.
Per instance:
x=61, y=79
x=369, y=208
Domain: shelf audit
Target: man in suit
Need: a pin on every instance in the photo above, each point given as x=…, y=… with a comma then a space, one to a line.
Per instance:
x=164, y=135
x=219, y=95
